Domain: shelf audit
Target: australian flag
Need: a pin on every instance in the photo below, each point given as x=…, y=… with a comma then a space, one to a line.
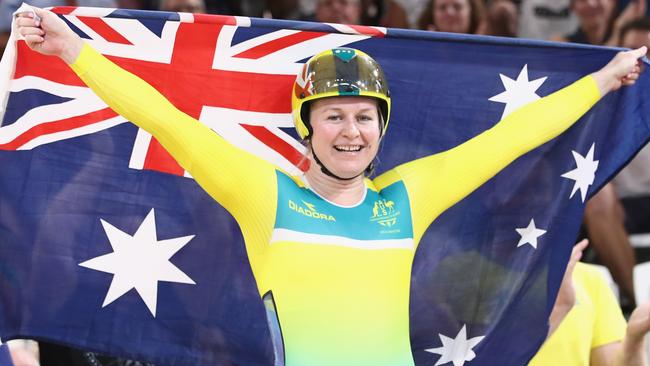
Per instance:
x=5, y=356
x=85, y=195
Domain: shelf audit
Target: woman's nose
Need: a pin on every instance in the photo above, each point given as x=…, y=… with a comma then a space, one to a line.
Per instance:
x=350, y=128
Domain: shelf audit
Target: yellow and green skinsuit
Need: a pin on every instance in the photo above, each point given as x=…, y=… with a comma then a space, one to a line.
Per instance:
x=337, y=277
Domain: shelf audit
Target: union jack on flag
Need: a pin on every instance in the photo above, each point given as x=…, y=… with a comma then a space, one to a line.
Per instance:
x=77, y=181
x=239, y=78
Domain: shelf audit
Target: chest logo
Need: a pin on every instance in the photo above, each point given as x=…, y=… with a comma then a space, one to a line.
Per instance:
x=384, y=213
x=309, y=210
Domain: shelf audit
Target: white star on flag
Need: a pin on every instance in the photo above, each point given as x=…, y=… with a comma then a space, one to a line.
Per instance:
x=584, y=173
x=518, y=92
x=139, y=262
x=457, y=350
x=529, y=234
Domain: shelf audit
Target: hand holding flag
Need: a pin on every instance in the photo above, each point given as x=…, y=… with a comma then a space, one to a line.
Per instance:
x=622, y=70
x=48, y=34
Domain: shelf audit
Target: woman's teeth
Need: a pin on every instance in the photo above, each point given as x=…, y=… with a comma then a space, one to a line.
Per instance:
x=348, y=148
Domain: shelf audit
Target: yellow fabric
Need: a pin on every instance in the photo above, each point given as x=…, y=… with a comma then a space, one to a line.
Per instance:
x=594, y=321
x=339, y=276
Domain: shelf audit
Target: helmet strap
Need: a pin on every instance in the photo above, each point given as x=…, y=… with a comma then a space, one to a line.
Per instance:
x=369, y=169
x=329, y=173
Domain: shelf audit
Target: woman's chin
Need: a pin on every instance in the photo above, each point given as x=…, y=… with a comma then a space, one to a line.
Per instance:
x=349, y=172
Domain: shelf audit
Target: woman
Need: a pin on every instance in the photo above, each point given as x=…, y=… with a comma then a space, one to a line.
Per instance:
x=453, y=16
x=331, y=250
x=599, y=22
x=596, y=18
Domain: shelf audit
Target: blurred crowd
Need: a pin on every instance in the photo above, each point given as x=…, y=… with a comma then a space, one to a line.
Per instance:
x=622, y=208
x=582, y=21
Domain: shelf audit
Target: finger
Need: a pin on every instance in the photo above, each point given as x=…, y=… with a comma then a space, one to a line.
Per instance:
x=580, y=246
x=640, y=52
x=25, y=14
x=42, y=13
x=27, y=11
x=631, y=76
x=33, y=39
x=576, y=253
x=26, y=22
x=25, y=31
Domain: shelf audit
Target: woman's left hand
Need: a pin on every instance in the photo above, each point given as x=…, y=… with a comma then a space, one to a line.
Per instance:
x=622, y=70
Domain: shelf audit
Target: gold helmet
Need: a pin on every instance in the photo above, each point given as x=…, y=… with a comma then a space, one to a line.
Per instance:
x=338, y=72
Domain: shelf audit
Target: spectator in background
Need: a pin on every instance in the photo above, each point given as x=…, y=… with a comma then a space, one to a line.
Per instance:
x=595, y=21
x=397, y=16
x=338, y=11
x=284, y=9
x=372, y=12
x=185, y=6
x=587, y=326
x=636, y=32
x=455, y=16
x=634, y=10
x=366, y=12
x=598, y=22
x=542, y=19
x=501, y=19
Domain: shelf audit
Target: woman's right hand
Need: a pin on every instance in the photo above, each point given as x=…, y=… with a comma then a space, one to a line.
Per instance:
x=49, y=35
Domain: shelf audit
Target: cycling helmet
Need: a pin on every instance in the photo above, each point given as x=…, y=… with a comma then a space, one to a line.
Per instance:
x=338, y=72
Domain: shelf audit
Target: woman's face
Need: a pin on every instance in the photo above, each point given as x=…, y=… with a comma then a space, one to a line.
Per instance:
x=594, y=12
x=345, y=133
x=452, y=16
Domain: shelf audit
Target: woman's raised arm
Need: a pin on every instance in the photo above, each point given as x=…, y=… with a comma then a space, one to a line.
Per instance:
x=235, y=178
x=437, y=182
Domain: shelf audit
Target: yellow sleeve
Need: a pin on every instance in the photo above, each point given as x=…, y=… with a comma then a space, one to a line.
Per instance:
x=436, y=182
x=238, y=180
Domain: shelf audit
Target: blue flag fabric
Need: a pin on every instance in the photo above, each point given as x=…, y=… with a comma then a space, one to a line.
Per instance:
x=5, y=356
x=76, y=179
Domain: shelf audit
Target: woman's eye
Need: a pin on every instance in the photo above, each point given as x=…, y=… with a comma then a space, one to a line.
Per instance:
x=364, y=118
x=333, y=117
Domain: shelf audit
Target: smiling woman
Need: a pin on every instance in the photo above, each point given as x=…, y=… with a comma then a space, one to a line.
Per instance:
x=346, y=135
x=331, y=250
